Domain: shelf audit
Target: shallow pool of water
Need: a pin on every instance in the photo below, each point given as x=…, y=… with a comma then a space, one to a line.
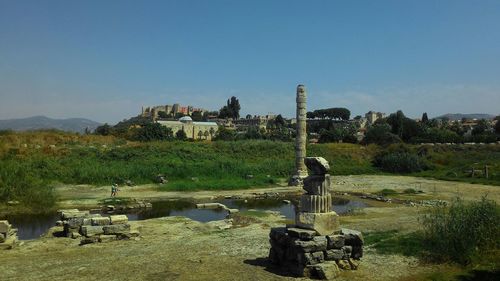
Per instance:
x=32, y=226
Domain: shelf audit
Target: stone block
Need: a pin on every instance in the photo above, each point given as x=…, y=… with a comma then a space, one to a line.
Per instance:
x=334, y=254
x=128, y=235
x=347, y=252
x=316, y=203
x=89, y=240
x=317, y=185
x=107, y=238
x=75, y=222
x=326, y=271
x=344, y=264
x=87, y=221
x=303, y=234
x=318, y=243
x=335, y=241
x=100, y=221
x=61, y=211
x=65, y=215
x=357, y=252
x=352, y=237
x=317, y=165
x=91, y=230
x=9, y=243
x=75, y=235
x=116, y=228
x=354, y=264
x=322, y=223
x=12, y=232
x=4, y=226
x=280, y=235
x=310, y=258
x=118, y=219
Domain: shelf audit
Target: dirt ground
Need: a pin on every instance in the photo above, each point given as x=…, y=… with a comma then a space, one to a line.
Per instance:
x=176, y=248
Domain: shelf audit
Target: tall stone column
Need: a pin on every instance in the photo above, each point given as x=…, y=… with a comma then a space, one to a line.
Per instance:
x=301, y=138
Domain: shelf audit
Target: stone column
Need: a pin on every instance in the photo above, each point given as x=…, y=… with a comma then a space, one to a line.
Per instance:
x=301, y=138
x=315, y=208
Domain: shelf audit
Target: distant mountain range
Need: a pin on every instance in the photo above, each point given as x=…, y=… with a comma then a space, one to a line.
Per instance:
x=43, y=122
x=459, y=116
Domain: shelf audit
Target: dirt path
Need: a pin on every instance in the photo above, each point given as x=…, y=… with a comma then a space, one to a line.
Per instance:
x=85, y=195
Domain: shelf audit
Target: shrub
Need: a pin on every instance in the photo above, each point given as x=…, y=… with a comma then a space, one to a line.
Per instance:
x=380, y=134
x=463, y=232
x=399, y=162
x=410, y=191
x=17, y=183
x=386, y=192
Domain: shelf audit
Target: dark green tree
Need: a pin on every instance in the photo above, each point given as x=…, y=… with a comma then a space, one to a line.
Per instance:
x=197, y=116
x=104, y=130
x=425, y=119
x=497, y=125
x=279, y=121
x=181, y=135
x=481, y=127
x=163, y=114
x=154, y=131
x=231, y=110
x=380, y=134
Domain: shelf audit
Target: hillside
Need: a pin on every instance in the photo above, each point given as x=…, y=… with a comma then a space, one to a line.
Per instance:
x=459, y=116
x=43, y=122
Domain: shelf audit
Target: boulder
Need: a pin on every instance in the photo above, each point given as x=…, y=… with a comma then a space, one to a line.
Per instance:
x=118, y=219
x=317, y=165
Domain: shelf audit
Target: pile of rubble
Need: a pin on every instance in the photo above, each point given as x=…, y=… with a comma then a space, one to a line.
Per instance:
x=304, y=253
x=315, y=246
x=92, y=228
x=8, y=235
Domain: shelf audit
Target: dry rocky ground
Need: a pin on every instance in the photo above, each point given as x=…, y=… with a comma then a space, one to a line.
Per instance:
x=176, y=248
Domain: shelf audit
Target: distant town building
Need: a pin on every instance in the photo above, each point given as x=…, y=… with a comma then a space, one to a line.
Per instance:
x=193, y=130
x=171, y=110
x=257, y=121
x=372, y=116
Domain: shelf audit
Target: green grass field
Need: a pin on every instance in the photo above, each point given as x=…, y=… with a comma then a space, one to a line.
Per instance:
x=50, y=157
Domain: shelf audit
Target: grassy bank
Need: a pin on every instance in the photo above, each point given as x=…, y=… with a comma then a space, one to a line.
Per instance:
x=30, y=162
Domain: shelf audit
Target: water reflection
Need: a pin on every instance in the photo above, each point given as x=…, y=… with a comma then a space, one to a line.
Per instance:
x=32, y=226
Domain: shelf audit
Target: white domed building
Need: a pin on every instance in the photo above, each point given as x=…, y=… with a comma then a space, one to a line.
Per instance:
x=193, y=130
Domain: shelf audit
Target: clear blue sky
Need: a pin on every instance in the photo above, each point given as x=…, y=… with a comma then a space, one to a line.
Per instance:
x=103, y=60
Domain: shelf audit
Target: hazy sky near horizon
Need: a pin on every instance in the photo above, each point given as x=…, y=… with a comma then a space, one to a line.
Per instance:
x=103, y=60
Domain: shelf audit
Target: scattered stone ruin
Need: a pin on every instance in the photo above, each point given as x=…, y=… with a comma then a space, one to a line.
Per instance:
x=315, y=246
x=8, y=235
x=93, y=228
